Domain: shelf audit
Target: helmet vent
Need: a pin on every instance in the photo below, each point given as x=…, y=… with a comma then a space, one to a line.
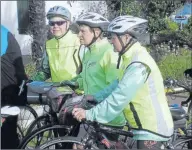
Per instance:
x=117, y=27
x=119, y=20
x=102, y=19
x=111, y=25
x=89, y=17
x=131, y=21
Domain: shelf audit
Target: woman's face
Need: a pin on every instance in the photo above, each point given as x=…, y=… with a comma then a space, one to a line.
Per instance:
x=85, y=35
x=58, y=26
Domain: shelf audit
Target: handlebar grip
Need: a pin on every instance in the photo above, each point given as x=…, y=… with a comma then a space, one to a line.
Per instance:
x=125, y=133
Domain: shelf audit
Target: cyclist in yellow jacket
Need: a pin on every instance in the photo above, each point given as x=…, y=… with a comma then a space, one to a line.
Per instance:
x=61, y=58
x=140, y=92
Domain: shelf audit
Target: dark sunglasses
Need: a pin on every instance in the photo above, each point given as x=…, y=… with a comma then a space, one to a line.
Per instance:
x=110, y=35
x=59, y=23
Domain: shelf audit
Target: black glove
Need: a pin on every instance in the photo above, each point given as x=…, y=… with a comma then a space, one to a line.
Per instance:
x=90, y=99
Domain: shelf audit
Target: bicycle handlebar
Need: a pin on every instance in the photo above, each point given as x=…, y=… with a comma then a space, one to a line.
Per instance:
x=109, y=129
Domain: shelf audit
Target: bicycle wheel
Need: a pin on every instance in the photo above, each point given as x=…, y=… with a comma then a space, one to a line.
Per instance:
x=183, y=143
x=41, y=135
x=56, y=142
x=26, y=116
x=37, y=123
x=20, y=133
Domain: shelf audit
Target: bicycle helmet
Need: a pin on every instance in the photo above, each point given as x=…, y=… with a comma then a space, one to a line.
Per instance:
x=128, y=24
x=93, y=20
x=121, y=25
x=59, y=11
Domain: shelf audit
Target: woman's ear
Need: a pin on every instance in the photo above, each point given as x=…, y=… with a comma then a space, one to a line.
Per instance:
x=97, y=32
x=128, y=37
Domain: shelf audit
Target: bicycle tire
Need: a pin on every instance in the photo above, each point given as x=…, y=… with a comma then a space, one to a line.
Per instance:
x=180, y=141
x=39, y=131
x=34, y=123
x=66, y=139
x=32, y=111
x=20, y=133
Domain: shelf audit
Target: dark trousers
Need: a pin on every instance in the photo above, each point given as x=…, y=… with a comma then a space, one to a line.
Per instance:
x=9, y=136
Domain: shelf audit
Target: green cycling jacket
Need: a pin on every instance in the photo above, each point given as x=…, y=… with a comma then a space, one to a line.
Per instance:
x=99, y=71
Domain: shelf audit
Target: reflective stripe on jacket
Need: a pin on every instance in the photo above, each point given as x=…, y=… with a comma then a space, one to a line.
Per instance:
x=143, y=101
x=149, y=109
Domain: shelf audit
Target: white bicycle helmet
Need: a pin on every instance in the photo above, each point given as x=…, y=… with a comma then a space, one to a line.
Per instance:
x=59, y=11
x=128, y=24
x=93, y=20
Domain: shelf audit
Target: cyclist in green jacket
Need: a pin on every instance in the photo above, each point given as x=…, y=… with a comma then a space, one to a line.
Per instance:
x=140, y=92
x=99, y=62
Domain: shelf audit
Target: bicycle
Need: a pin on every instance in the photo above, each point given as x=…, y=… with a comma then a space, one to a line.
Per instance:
x=178, y=117
x=183, y=137
x=47, y=126
x=96, y=139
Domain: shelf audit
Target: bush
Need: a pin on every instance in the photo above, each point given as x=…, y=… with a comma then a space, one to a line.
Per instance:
x=174, y=65
x=30, y=69
x=171, y=25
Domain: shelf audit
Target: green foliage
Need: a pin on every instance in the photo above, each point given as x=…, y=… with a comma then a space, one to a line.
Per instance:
x=186, y=33
x=174, y=65
x=132, y=7
x=30, y=69
x=171, y=25
x=188, y=26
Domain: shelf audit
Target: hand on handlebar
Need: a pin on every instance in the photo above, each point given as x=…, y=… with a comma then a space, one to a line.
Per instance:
x=79, y=114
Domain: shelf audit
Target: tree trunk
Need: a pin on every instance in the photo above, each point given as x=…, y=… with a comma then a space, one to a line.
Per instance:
x=37, y=29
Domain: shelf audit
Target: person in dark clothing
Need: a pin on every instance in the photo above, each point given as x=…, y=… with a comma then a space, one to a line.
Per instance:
x=12, y=75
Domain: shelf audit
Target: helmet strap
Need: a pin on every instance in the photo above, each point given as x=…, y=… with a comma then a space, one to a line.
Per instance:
x=94, y=38
x=124, y=48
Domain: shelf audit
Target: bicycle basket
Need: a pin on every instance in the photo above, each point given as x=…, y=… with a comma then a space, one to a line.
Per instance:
x=65, y=113
x=57, y=97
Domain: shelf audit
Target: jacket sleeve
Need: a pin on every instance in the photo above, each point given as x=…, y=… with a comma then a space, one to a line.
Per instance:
x=43, y=72
x=103, y=94
x=111, y=73
x=110, y=66
x=14, y=54
x=79, y=80
x=133, y=79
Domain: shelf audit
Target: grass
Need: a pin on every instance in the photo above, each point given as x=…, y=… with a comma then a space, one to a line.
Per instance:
x=173, y=65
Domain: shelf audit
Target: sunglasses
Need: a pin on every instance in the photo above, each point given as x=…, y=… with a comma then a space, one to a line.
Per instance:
x=59, y=23
x=110, y=36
